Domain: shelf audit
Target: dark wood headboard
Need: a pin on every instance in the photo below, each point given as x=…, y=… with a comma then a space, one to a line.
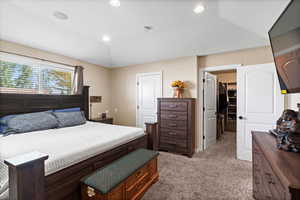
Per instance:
x=26, y=103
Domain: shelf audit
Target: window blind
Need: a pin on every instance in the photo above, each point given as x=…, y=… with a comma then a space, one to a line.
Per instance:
x=25, y=75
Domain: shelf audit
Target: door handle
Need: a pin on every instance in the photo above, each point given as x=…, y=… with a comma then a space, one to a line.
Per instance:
x=241, y=117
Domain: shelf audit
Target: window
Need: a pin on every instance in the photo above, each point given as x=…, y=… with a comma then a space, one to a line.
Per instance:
x=25, y=75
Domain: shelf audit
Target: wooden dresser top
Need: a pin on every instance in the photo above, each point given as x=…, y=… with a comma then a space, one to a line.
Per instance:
x=285, y=164
x=175, y=99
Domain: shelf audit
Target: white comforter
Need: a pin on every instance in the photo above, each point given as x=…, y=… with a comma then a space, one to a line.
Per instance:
x=65, y=146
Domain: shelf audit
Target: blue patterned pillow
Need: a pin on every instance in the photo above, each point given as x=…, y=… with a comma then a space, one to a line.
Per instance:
x=67, y=119
x=68, y=110
x=30, y=122
x=3, y=123
x=2, y=128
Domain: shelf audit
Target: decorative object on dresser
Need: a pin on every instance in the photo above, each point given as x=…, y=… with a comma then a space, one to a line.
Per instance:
x=288, y=131
x=127, y=178
x=275, y=173
x=176, y=125
x=103, y=120
x=178, y=87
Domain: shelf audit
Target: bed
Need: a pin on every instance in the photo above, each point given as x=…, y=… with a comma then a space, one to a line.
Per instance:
x=67, y=154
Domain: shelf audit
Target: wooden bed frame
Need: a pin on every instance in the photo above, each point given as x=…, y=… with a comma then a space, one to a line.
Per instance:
x=27, y=180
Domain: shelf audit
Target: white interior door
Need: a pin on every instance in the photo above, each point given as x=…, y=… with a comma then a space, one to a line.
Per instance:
x=149, y=88
x=210, y=109
x=259, y=104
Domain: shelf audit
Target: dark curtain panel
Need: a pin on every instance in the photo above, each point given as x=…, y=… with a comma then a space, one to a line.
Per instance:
x=78, y=80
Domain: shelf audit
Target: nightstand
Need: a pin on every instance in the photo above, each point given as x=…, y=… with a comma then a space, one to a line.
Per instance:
x=105, y=121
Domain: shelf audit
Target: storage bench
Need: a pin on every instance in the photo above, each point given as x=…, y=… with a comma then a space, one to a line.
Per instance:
x=127, y=178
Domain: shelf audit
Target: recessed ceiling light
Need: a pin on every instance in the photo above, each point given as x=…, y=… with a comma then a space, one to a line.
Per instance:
x=60, y=15
x=148, y=28
x=115, y=3
x=199, y=9
x=105, y=38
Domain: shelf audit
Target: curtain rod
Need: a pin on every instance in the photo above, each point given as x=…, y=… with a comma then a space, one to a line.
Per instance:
x=37, y=58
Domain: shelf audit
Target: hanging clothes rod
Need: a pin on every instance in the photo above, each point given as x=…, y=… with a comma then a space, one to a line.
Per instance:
x=37, y=58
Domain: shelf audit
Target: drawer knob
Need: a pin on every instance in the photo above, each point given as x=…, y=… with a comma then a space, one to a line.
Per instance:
x=270, y=179
x=272, y=182
x=172, y=133
x=172, y=116
x=173, y=125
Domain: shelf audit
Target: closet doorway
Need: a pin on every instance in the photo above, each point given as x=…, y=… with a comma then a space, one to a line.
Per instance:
x=220, y=126
x=248, y=99
x=226, y=102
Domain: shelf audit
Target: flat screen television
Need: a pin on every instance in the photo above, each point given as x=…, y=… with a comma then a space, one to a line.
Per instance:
x=285, y=42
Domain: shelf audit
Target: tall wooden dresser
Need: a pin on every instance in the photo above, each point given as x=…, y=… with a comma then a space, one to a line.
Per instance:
x=176, y=125
x=276, y=173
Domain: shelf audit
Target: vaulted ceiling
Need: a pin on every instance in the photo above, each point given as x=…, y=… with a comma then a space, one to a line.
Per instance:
x=225, y=25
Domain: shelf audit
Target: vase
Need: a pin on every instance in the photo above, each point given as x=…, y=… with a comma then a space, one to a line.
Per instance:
x=178, y=93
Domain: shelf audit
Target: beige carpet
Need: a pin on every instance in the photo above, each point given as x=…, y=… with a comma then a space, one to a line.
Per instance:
x=211, y=175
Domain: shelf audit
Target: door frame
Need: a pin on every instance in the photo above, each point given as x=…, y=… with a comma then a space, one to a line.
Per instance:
x=160, y=73
x=201, y=97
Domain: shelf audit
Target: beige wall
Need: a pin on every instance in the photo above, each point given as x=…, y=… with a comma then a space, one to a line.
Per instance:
x=124, y=84
x=226, y=76
x=94, y=75
x=244, y=57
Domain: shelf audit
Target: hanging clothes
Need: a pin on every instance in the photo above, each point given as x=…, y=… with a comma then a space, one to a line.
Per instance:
x=223, y=98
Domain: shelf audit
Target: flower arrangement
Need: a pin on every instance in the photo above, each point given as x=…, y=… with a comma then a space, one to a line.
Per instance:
x=178, y=88
x=178, y=84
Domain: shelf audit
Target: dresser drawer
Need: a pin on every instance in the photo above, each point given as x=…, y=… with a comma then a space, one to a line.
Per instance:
x=136, y=176
x=173, y=142
x=275, y=187
x=255, y=148
x=133, y=191
x=172, y=148
x=178, y=134
x=266, y=184
x=174, y=125
x=153, y=167
x=260, y=186
x=173, y=115
x=174, y=106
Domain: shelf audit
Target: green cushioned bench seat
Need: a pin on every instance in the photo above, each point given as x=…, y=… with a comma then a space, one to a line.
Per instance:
x=110, y=176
